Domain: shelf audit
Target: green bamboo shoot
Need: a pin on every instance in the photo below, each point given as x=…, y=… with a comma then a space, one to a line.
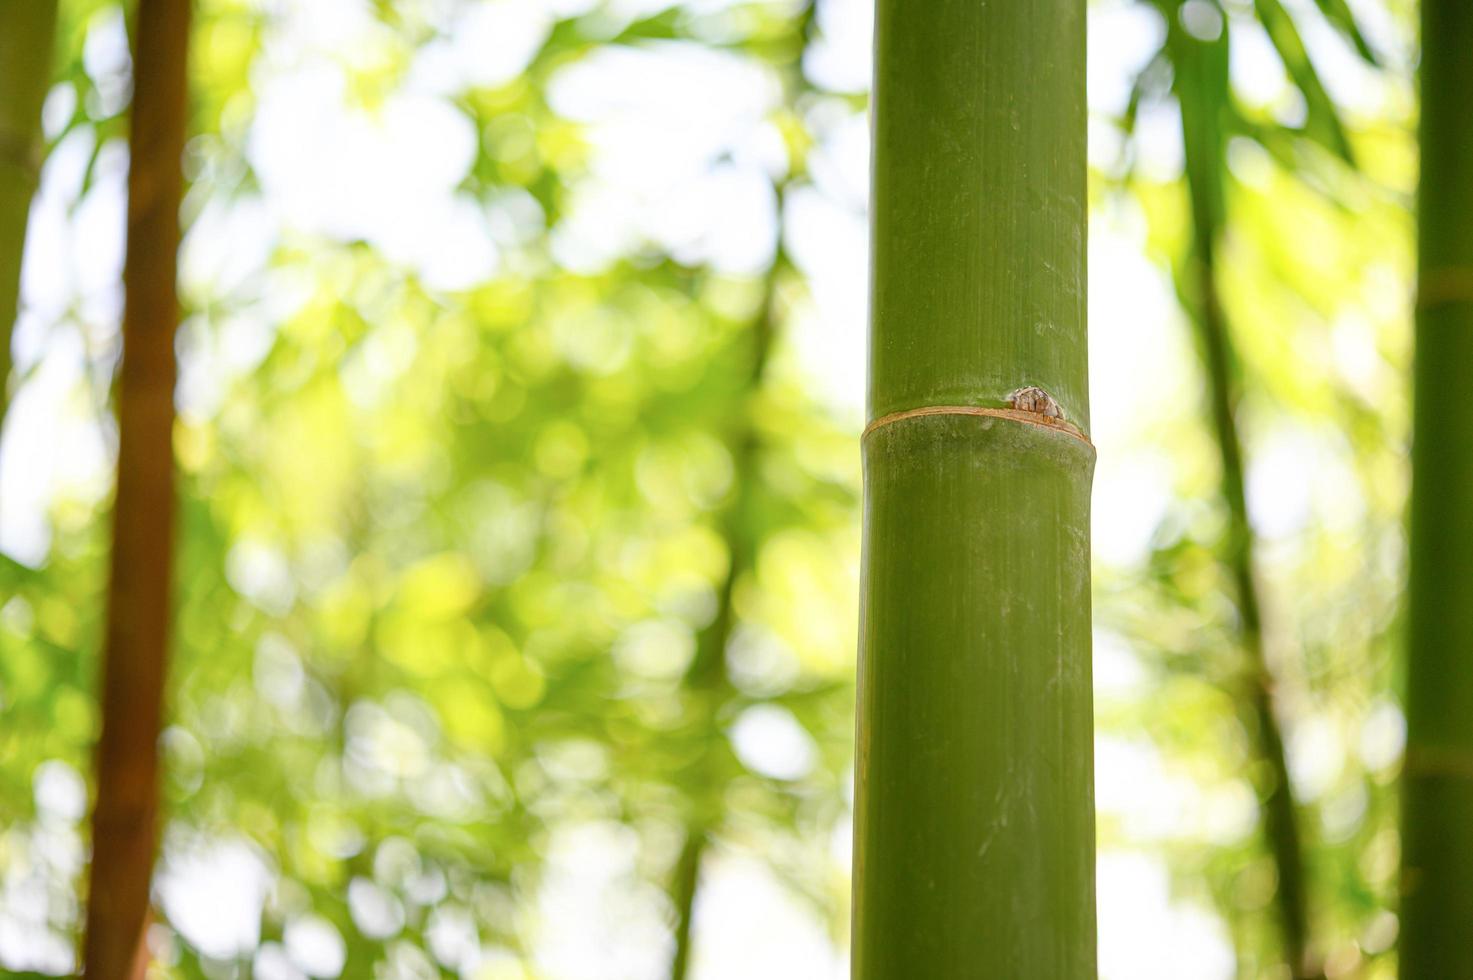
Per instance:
x=124, y=821
x=974, y=822
x=1437, y=793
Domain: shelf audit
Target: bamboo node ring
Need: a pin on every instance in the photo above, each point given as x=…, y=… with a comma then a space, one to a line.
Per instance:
x=1444, y=285
x=1029, y=405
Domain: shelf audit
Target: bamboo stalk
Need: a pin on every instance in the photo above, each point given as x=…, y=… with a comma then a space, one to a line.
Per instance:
x=1202, y=88
x=27, y=32
x=1203, y=94
x=706, y=680
x=1280, y=820
x=1437, y=791
x=974, y=830
x=124, y=821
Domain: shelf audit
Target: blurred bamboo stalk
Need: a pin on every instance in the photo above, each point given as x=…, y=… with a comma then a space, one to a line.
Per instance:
x=124, y=821
x=1202, y=88
x=27, y=33
x=974, y=839
x=706, y=680
x=1281, y=820
x=1437, y=790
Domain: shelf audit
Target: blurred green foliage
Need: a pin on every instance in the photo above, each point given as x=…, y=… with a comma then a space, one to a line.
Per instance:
x=448, y=556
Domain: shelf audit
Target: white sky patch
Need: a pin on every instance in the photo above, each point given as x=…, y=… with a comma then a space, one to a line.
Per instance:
x=747, y=924
x=1282, y=471
x=213, y=893
x=271, y=962
x=1121, y=39
x=1135, y=489
x=1132, y=784
x=1383, y=736
x=1144, y=935
x=1317, y=756
x=1118, y=672
x=1355, y=87
x=228, y=245
x=485, y=45
x=76, y=257
x=333, y=169
x=840, y=58
x=726, y=219
x=596, y=920
x=1257, y=72
x=830, y=243
x=36, y=908
x=839, y=163
x=61, y=793
x=1139, y=362
x=682, y=156
x=52, y=448
x=107, y=60
x=769, y=741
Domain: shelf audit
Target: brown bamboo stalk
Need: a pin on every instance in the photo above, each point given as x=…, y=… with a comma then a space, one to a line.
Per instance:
x=124, y=821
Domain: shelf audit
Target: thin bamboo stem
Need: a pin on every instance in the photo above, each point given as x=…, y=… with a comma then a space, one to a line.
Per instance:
x=27, y=32
x=1202, y=90
x=1281, y=820
x=124, y=820
x=707, y=680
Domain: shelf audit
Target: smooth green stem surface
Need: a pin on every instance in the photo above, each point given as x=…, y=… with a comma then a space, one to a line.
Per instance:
x=1437, y=792
x=974, y=818
x=27, y=31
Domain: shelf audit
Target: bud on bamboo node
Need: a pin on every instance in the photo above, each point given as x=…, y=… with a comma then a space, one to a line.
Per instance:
x=1034, y=399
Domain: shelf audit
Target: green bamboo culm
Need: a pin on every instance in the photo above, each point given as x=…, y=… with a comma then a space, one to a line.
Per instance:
x=27, y=29
x=1437, y=791
x=974, y=816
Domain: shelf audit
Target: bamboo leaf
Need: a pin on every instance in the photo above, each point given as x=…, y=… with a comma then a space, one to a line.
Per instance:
x=1203, y=92
x=1323, y=119
x=1340, y=16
